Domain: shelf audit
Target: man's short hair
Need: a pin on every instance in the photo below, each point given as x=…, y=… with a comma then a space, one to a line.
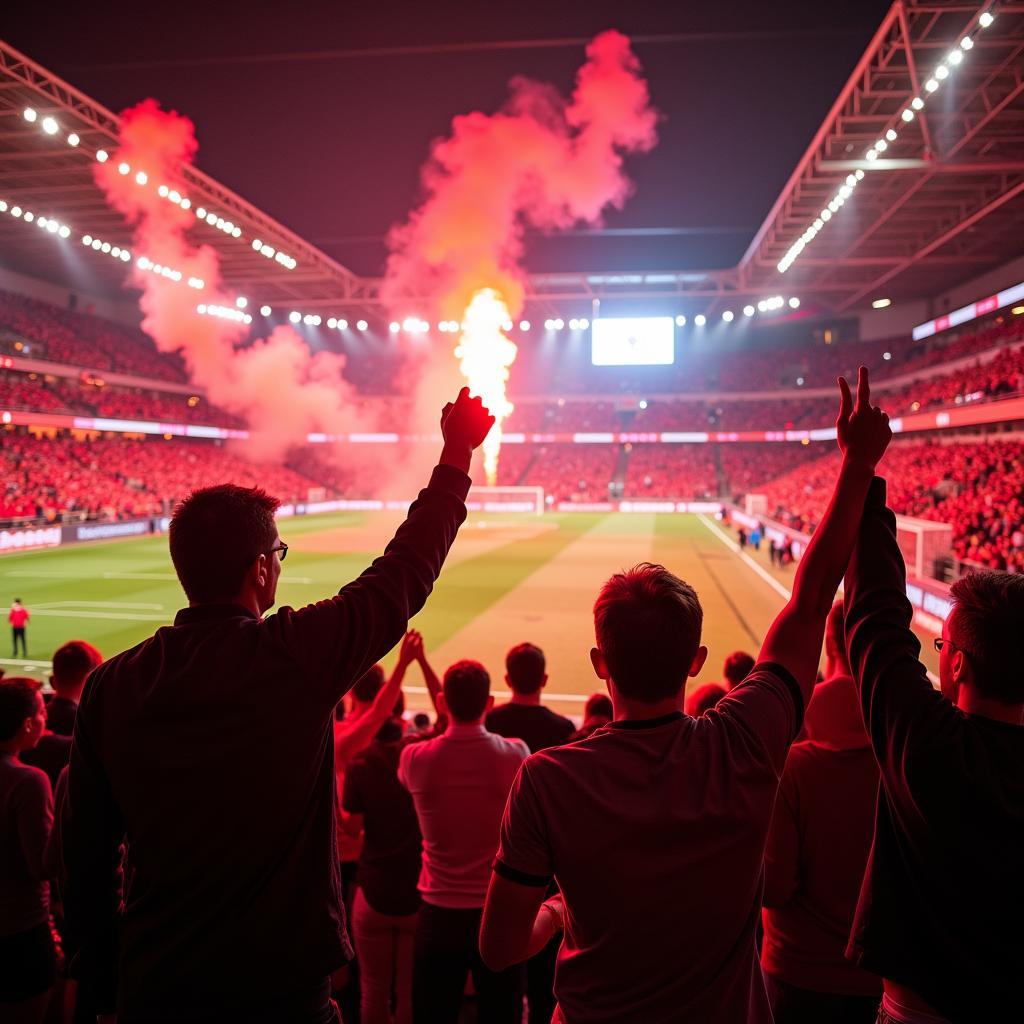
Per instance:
x=216, y=534
x=648, y=624
x=737, y=667
x=835, y=637
x=368, y=685
x=525, y=665
x=987, y=626
x=599, y=705
x=73, y=661
x=17, y=702
x=466, y=689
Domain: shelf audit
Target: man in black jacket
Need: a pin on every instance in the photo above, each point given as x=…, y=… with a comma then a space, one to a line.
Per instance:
x=941, y=907
x=208, y=750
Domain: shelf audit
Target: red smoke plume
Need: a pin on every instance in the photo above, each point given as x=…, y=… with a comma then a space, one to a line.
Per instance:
x=276, y=384
x=541, y=162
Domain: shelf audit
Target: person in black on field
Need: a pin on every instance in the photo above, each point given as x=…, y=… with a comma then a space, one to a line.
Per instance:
x=208, y=749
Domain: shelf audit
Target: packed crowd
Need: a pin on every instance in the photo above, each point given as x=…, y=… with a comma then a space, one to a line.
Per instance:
x=80, y=339
x=978, y=488
x=778, y=849
x=671, y=471
x=118, y=478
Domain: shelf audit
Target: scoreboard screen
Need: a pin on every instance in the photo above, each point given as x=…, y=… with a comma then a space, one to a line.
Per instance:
x=633, y=341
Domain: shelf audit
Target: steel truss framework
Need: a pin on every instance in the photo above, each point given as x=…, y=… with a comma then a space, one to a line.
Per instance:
x=946, y=202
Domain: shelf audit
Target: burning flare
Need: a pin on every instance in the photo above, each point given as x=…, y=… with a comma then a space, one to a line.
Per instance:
x=485, y=354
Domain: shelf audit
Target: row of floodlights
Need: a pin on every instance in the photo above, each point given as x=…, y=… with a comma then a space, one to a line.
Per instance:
x=54, y=227
x=51, y=127
x=909, y=112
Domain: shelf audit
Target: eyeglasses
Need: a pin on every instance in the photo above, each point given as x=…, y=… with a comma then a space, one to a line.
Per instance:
x=939, y=643
x=282, y=548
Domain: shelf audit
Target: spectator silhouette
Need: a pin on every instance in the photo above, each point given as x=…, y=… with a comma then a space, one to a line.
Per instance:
x=814, y=862
x=737, y=667
x=459, y=782
x=654, y=828
x=940, y=909
x=209, y=746
x=27, y=951
x=597, y=712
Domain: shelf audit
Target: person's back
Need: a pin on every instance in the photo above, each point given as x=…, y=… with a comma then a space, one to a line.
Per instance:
x=654, y=827
x=459, y=783
x=939, y=915
x=210, y=747
x=814, y=862
x=524, y=717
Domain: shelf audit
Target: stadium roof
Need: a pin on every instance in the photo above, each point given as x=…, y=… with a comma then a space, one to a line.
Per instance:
x=937, y=201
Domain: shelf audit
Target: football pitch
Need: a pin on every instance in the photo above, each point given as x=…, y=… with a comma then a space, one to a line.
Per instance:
x=508, y=579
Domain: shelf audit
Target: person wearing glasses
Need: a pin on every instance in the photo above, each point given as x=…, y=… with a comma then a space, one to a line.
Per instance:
x=941, y=907
x=208, y=751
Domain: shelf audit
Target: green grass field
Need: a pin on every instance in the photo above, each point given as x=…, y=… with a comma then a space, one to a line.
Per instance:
x=508, y=579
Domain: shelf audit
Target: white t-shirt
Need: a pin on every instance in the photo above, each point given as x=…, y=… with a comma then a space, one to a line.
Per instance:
x=459, y=782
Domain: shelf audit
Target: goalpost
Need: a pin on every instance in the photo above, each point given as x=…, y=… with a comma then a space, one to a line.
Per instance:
x=927, y=546
x=506, y=499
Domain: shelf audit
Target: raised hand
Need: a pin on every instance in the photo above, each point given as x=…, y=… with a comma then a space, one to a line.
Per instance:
x=862, y=428
x=465, y=422
x=411, y=649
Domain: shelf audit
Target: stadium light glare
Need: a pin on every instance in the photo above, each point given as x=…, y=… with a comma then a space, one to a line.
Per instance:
x=201, y=213
x=265, y=311
x=394, y=327
x=549, y=324
x=955, y=57
x=102, y=156
x=700, y=319
x=642, y=404
x=748, y=310
x=308, y=319
x=887, y=356
x=826, y=214
x=141, y=178
x=931, y=85
x=162, y=191
x=794, y=303
x=728, y=316
x=871, y=154
x=891, y=135
x=559, y=323
x=881, y=303
x=123, y=168
x=332, y=322
x=941, y=72
x=986, y=18
x=680, y=320
x=29, y=114
x=29, y=216
x=50, y=125
x=574, y=324
x=859, y=174
x=73, y=139
x=241, y=302
x=584, y=323
x=966, y=43
x=361, y=325
x=342, y=324
x=294, y=316
x=524, y=325
x=917, y=103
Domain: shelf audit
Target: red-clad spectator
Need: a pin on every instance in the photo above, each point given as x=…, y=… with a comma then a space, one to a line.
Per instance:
x=27, y=953
x=18, y=617
x=814, y=861
x=704, y=698
x=737, y=667
x=597, y=713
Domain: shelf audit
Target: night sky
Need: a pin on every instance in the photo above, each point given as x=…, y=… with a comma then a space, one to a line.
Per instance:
x=321, y=114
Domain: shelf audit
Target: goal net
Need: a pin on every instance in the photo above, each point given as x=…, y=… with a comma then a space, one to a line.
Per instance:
x=927, y=546
x=506, y=499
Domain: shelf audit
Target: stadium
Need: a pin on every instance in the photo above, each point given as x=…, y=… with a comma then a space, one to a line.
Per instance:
x=663, y=393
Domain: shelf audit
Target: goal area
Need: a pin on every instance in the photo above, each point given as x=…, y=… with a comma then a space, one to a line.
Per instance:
x=506, y=499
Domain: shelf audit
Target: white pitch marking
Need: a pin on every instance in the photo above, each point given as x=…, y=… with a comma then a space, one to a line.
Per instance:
x=99, y=604
x=54, y=613
x=765, y=575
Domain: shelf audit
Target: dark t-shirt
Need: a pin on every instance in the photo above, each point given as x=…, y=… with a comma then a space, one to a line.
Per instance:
x=389, y=865
x=539, y=726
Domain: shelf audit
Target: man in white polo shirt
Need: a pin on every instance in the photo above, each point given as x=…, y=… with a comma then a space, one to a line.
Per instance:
x=459, y=782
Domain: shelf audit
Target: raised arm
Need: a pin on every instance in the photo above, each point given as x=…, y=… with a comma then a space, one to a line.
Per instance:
x=794, y=639
x=896, y=695
x=337, y=640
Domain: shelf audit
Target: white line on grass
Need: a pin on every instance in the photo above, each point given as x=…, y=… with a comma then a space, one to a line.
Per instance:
x=26, y=662
x=778, y=587
x=763, y=573
x=69, y=614
x=134, y=606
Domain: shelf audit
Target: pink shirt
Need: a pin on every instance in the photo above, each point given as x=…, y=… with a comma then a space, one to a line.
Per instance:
x=18, y=616
x=459, y=782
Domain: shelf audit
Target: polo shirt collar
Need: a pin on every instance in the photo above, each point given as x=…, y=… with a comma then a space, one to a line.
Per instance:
x=646, y=723
x=212, y=613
